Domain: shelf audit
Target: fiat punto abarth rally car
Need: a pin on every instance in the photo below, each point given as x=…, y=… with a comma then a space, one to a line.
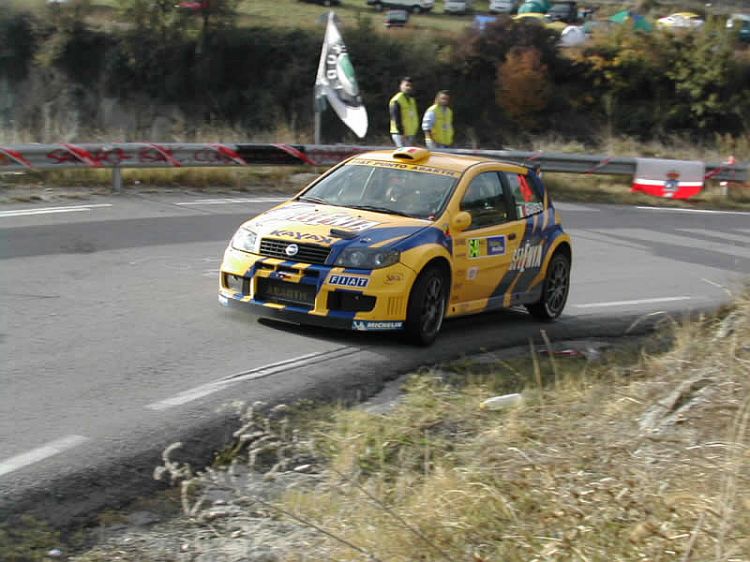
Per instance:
x=400, y=240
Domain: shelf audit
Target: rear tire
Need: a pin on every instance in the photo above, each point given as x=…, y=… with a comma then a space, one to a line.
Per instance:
x=427, y=304
x=554, y=289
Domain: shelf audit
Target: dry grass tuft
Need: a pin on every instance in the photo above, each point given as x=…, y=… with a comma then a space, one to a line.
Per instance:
x=651, y=463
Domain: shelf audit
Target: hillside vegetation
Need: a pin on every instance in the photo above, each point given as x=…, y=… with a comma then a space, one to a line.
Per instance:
x=133, y=70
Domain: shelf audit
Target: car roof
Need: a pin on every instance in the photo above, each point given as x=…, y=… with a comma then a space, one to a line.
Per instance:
x=442, y=160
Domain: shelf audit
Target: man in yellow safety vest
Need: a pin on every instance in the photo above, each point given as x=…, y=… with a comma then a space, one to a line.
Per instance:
x=437, y=122
x=404, y=114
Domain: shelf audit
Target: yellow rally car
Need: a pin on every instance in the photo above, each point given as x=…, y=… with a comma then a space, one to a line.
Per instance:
x=399, y=240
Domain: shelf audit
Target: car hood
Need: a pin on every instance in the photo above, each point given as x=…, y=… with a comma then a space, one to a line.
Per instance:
x=326, y=225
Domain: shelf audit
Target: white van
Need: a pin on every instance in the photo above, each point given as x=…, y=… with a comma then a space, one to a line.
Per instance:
x=458, y=6
x=414, y=6
x=503, y=6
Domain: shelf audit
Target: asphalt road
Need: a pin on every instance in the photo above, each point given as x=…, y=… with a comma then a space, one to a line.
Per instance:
x=113, y=344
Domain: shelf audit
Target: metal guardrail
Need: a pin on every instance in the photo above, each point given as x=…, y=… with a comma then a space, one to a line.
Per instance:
x=118, y=156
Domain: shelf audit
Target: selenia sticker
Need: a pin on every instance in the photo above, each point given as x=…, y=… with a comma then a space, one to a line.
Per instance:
x=526, y=257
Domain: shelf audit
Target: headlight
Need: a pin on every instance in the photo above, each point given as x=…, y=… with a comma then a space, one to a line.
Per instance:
x=367, y=258
x=245, y=240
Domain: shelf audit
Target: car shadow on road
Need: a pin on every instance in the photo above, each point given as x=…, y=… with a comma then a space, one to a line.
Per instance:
x=463, y=326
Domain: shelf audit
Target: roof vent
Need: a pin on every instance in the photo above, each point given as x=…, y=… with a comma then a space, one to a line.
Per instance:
x=411, y=153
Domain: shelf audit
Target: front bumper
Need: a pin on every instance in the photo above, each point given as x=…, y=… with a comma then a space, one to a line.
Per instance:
x=334, y=297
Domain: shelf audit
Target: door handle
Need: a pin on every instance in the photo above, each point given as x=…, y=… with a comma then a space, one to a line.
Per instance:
x=511, y=236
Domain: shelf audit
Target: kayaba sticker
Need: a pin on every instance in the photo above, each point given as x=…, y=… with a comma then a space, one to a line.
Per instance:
x=368, y=326
x=348, y=281
x=302, y=236
x=526, y=257
x=306, y=214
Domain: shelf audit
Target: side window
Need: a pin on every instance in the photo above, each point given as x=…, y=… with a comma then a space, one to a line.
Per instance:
x=484, y=201
x=525, y=198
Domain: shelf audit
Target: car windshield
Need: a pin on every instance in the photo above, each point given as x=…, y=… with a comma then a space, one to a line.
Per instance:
x=386, y=190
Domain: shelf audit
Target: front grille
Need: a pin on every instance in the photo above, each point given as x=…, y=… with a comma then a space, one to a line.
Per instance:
x=283, y=292
x=307, y=253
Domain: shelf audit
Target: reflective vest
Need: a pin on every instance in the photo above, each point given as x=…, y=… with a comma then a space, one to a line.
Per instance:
x=409, y=116
x=442, y=130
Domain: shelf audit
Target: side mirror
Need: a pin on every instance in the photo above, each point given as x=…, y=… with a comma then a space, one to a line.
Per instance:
x=460, y=221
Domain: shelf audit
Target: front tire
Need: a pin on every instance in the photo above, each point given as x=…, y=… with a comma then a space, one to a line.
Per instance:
x=427, y=303
x=554, y=289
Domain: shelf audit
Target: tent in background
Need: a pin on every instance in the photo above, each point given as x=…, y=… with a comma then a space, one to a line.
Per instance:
x=637, y=21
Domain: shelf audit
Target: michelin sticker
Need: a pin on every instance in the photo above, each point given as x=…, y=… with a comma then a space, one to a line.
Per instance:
x=348, y=281
x=526, y=257
x=368, y=326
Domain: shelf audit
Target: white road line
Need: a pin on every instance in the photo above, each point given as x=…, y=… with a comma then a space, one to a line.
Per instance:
x=717, y=234
x=50, y=210
x=563, y=206
x=650, y=237
x=257, y=373
x=705, y=211
x=40, y=453
x=230, y=201
x=628, y=303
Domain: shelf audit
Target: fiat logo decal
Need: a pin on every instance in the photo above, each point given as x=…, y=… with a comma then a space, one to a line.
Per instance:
x=291, y=250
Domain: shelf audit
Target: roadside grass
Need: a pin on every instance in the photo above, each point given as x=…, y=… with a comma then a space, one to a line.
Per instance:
x=646, y=459
x=639, y=452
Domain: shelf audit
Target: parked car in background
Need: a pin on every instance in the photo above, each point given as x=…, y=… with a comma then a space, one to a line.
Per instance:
x=563, y=11
x=504, y=6
x=414, y=6
x=680, y=20
x=458, y=6
x=396, y=18
x=741, y=24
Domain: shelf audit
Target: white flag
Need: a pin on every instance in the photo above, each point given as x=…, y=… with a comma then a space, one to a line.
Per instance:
x=337, y=83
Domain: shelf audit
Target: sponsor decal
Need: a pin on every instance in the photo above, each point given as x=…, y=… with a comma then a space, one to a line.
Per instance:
x=532, y=208
x=403, y=166
x=302, y=236
x=291, y=250
x=496, y=246
x=393, y=278
x=471, y=273
x=474, y=247
x=368, y=326
x=526, y=257
x=348, y=281
x=487, y=246
x=307, y=214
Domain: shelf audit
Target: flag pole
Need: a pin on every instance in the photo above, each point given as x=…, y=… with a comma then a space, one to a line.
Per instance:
x=317, y=117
